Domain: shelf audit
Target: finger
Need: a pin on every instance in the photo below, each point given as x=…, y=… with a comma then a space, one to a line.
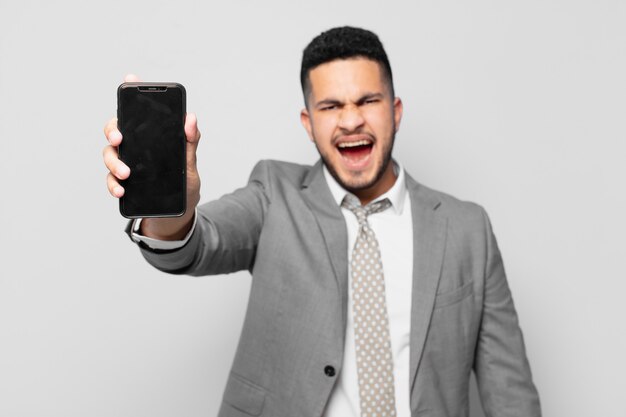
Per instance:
x=191, y=128
x=113, y=135
x=114, y=187
x=113, y=163
x=131, y=78
x=193, y=136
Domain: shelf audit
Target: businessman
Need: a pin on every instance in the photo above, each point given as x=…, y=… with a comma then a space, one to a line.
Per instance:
x=372, y=295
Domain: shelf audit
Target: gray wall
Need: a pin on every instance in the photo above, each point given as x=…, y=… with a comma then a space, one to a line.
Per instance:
x=516, y=105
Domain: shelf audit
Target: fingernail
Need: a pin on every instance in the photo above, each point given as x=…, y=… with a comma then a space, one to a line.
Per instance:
x=123, y=171
x=116, y=135
x=119, y=191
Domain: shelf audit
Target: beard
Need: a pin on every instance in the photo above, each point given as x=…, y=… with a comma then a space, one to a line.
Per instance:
x=354, y=185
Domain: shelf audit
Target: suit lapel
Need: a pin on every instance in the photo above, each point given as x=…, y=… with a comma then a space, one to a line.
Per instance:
x=429, y=238
x=333, y=228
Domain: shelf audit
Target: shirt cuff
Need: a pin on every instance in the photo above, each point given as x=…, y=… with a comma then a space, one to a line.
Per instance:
x=157, y=243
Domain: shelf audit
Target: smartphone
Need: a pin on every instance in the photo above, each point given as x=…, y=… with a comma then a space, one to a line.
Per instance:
x=151, y=118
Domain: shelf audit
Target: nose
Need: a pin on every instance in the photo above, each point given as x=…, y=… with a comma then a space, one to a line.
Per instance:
x=351, y=118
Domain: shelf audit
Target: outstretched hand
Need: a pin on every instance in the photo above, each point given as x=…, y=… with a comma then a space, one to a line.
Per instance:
x=164, y=228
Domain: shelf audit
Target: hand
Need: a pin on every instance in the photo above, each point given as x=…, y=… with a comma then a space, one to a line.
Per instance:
x=159, y=228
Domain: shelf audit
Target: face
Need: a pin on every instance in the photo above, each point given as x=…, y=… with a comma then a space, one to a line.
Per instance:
x=352, y=119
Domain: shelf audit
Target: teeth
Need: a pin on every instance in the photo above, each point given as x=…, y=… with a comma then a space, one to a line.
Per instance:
x=353, y=144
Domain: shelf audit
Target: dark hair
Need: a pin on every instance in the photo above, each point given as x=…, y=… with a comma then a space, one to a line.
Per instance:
x=343, y=43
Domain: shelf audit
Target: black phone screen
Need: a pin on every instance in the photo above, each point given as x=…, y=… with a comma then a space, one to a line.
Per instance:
x=151, y=118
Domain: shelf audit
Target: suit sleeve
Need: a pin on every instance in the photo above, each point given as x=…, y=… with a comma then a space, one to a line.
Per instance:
x=226, y=234
x=502, y=370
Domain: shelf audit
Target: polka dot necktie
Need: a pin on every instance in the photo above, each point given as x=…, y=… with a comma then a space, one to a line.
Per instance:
x=371, y=321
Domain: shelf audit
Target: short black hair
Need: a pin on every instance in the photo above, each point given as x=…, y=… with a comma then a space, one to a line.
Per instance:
x=343, y=43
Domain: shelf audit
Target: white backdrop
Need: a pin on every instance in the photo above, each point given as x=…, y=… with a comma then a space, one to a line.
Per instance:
x=518, y=106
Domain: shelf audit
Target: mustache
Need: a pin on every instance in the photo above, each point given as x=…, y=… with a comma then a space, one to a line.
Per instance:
x=353, y=137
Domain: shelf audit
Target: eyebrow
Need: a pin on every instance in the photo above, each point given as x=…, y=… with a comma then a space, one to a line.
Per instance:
x=361, y=100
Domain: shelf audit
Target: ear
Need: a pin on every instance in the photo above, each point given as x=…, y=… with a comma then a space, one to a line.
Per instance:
x=397, y=112
x=305, y=119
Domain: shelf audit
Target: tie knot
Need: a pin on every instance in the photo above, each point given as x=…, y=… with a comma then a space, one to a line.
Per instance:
x=352, y=203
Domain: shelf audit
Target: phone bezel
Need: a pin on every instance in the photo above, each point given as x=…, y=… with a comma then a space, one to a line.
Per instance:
x=158, y=86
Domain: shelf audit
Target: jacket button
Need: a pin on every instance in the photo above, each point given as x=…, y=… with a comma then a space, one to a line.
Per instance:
x=329, y=370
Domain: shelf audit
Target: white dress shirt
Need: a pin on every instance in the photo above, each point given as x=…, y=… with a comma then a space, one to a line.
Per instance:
x=394, y=231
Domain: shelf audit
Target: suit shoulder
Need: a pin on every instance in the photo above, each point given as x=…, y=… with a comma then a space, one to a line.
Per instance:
x=460, y=213
x=467, y=222
x=445, y=201
x=269, y=171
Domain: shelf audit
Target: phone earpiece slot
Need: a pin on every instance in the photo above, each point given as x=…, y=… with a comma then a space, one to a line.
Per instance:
x=152, y=89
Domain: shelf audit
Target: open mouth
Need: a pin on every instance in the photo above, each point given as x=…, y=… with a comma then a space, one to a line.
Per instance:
x=357, y=151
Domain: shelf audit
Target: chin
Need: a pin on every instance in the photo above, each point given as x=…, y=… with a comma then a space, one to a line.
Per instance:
x=357, y=183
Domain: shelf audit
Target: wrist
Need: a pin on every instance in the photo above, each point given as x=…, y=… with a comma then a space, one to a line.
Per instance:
x=172, y=228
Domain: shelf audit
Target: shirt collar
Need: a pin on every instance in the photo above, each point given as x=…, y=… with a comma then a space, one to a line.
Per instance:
x=396, y=194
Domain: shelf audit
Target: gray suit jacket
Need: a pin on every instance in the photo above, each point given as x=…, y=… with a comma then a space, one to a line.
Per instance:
x=285, y=228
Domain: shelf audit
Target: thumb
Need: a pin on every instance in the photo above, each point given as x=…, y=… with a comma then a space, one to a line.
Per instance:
x=128, y=78
x=193, y=137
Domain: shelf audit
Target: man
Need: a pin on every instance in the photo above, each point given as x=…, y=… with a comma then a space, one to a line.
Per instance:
x=372, y=295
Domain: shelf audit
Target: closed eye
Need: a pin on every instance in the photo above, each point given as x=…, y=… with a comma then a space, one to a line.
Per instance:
x=370, y=99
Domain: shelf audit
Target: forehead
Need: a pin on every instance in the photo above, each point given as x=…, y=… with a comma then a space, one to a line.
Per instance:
x=346, y=77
